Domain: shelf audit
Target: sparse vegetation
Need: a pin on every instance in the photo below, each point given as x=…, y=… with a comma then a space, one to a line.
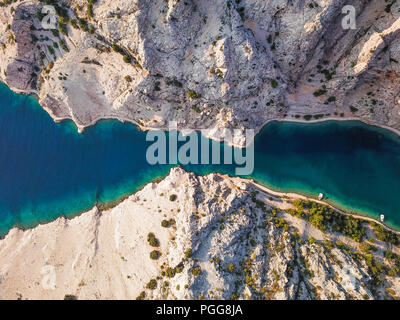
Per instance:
x=196, y=109
x=152, y=284
x=165, y=224
x=325, y=218
x=141, y=296
x=154, y=255
x=188, y=253
x=152, y=240
x=385, y=235
x=231, y=267
x=353, y=109
x=193, y=95
x=319, y=92
x=195, y=271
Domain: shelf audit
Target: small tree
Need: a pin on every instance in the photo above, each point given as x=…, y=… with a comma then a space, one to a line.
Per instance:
x=193, y=94
x=127, y=58
x=165, y=224
x=152, y=284
x=195, y=271
x=141, y=296
x=188, y=253
x=170, y=272
x=152, y=240
x=154, y=255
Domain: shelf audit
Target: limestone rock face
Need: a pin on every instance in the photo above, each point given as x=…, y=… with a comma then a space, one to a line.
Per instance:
x=205, y=64
x=216, y=239
x=19, y=72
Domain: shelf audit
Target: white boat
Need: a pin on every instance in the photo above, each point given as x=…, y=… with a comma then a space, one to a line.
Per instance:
x=382, y=217
x=320, y=196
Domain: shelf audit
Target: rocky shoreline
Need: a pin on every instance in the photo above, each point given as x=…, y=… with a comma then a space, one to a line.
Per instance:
x=211, y=65
x=206, y=231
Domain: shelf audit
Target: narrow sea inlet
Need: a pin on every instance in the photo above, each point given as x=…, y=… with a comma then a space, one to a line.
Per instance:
x=48, y=169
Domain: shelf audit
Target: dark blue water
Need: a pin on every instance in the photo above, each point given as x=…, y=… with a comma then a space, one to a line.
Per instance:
x=48, y=169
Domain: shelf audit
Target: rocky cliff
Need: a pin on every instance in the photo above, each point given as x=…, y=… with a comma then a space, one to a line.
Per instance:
x=205, y=64
x=191, y=237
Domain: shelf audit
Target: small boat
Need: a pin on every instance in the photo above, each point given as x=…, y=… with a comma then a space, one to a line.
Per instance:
x=382, y=217
x=320, y=196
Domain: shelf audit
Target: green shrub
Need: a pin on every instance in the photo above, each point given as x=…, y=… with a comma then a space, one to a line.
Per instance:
x=353, y=109
x=231, y=267
x=323, y=217
x=55, y=32
x=152, y=284
x=165, y=224
x=51, y=50
x=83, y=24
x=64, y=46
x=154, y=255
x=385, y=235
x=63, y=28
x=319, y=92
x=127, y=58
x=188, y=253
x=74, y=24
x=89, y=10
x=195, y=271
x=116, y=48
x=152, y=240
x=170, y=272
x=173, y=82
x=196, y=108
x=193, y=95
x=141, y=296
x=331, y=99
x=172, y=197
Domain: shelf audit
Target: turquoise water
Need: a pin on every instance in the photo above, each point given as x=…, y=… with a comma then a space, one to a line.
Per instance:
x=47, y=169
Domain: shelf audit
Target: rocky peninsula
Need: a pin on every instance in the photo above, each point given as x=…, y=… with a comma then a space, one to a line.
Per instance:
x=205, y=64
x=211, y=237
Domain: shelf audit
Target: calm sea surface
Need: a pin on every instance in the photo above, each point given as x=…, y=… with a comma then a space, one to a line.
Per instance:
x=47, y=169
